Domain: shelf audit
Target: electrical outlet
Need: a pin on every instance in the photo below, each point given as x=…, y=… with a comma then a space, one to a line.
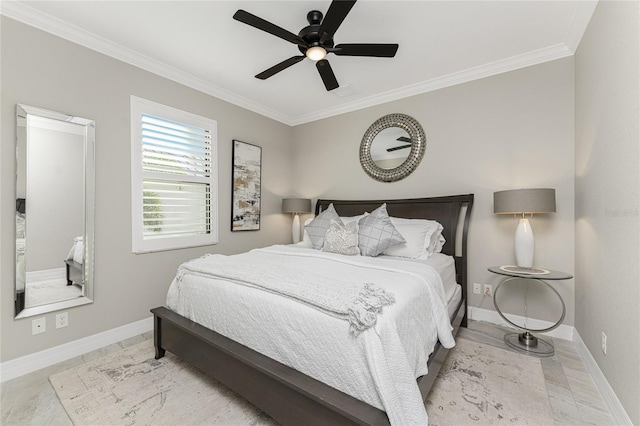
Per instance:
x=39, y=325
x=488, y=290
x=476, y=288
x=604, y=343
x=62, y=320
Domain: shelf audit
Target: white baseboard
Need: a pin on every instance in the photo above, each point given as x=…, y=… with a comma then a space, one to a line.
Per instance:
x=46, y=274
x=33, y=362
x=36, y=361
x=564, y=332
x=617, y=411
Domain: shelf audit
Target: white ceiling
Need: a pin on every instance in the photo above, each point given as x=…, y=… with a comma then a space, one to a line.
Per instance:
x=197, y=43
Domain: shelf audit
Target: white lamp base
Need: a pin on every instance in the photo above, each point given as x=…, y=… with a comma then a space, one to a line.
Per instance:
x=524, y=244
x=295, y=229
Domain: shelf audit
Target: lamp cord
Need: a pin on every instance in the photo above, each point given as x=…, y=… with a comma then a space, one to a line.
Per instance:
x=524, y=215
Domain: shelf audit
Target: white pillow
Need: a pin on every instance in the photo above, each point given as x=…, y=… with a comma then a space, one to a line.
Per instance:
x=422, y=236
x=437, y=244
x=306, y=239
x=342, y=239
x=347, y=219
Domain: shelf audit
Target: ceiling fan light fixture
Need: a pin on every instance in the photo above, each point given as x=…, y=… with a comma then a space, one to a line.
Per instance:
x=316, y=53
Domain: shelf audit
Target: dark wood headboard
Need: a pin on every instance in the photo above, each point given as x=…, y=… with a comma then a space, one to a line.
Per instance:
x=446, y=210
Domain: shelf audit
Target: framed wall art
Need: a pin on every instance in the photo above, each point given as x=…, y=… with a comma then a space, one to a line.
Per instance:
x=247, y=169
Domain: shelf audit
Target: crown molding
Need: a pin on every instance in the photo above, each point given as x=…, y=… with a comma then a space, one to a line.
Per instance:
x=579, y=23
x=487, y=70
x=30, y=16
x=27, y=15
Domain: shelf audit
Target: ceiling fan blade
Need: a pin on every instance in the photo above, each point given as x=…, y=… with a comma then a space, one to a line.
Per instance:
x=395, y=148
x=328, y=77
x=279, y=67
x=366, y=49
x=403, y=139
x=261, y=24
x=338, y=10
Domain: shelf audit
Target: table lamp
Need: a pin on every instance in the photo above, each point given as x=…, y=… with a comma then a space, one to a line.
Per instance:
x=296, y=206
x=522, y=202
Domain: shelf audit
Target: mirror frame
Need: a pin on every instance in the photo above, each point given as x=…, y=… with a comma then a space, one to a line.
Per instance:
x=418, y=145
x=22, y=112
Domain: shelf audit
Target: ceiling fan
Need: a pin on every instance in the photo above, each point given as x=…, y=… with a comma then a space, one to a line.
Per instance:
x=315, y=41
x=401, y=139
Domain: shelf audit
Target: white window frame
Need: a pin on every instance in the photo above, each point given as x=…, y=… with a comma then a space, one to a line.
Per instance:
x=141, y=106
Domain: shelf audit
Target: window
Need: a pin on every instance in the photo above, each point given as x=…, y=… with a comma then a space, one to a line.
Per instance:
x=174, y=188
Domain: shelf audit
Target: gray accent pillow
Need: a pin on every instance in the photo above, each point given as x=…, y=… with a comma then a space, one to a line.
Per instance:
x=342, y=239
x=376, y=233
x=317, y=228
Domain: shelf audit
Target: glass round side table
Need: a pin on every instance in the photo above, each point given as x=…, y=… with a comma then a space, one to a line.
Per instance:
x=526, y=341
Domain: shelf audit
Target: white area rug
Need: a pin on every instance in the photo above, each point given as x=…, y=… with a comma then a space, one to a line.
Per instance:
x=484, y=385
x=480, y=385
x=49, y=291
x=130, y=387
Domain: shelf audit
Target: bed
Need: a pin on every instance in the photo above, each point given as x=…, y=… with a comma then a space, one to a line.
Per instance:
x=286, y=394
x=74, y=263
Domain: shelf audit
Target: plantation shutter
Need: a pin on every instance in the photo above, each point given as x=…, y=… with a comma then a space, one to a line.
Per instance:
x=176, y=167
x=174, y=178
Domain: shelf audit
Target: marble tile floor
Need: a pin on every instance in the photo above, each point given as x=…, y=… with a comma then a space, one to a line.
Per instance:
x=572, y=393
x=31, y=400
x=574, y=399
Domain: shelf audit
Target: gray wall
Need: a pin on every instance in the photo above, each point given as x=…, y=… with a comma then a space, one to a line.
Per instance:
x=55, y=195
x=608, y=196
x=45, y=71
x=512, y=130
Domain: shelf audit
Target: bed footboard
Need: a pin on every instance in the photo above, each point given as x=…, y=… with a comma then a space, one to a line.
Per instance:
x=288, y=396
x=75, y=272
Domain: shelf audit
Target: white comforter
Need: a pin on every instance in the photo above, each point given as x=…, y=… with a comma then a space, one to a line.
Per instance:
x=380, y=366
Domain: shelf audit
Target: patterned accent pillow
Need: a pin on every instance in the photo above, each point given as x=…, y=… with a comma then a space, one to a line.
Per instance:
x=342, y=239
x=376, y=233
x=317, y=228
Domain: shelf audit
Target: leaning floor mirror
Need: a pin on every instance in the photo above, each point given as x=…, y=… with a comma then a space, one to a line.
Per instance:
x=54, y=211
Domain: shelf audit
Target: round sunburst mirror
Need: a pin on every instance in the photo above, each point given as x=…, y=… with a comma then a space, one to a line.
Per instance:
x=392, y=147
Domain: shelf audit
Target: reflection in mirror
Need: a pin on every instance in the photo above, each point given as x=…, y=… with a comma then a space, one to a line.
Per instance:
x=54, y=211
x=390, y=148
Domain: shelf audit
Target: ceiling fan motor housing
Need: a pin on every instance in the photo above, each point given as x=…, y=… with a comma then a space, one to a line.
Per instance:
x=311, y=34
